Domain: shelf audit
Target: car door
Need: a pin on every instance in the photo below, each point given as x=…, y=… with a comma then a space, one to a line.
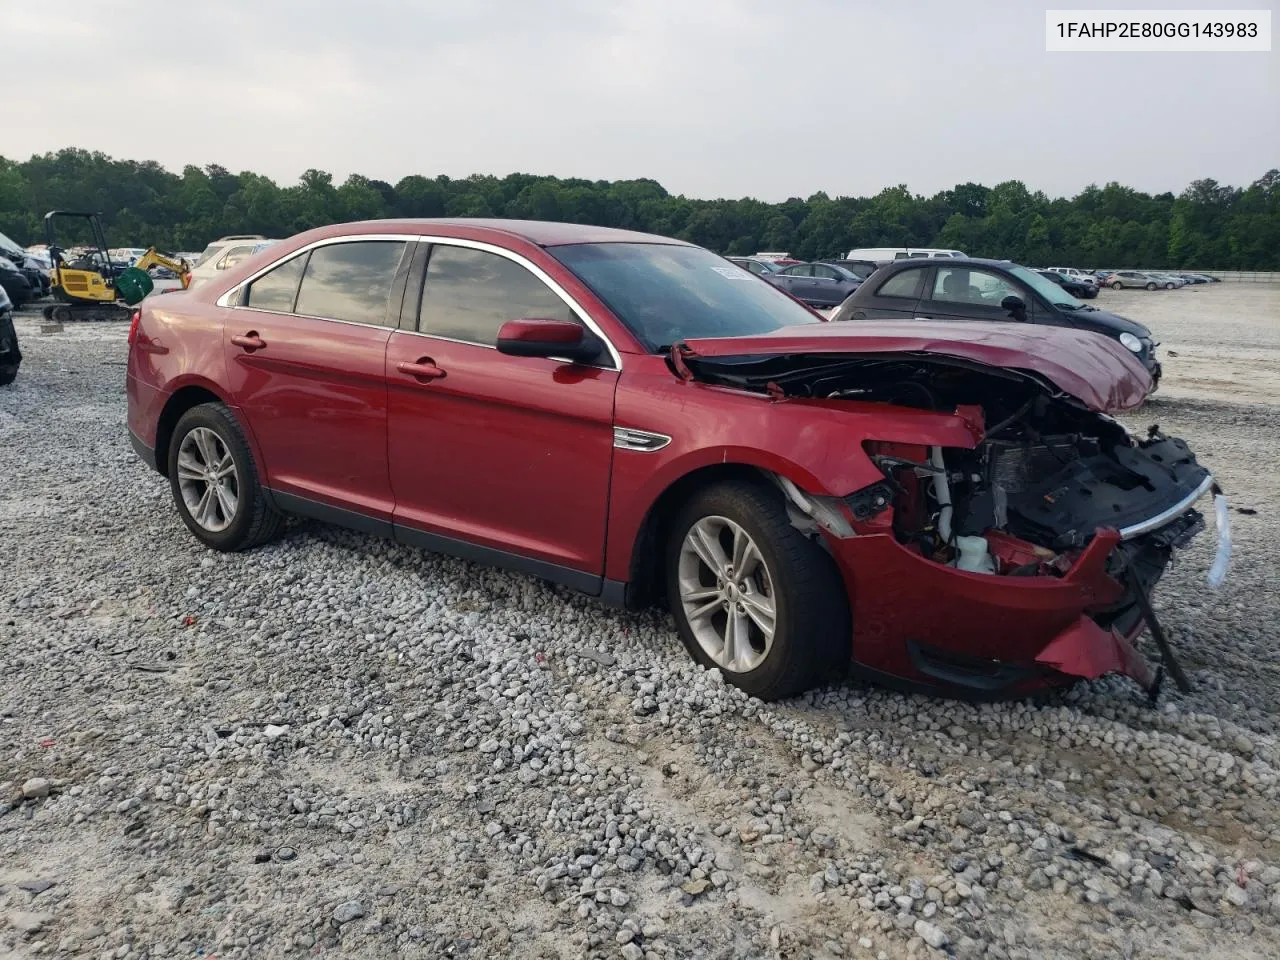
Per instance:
x=826, y=288
x=890, y=293
x=306, y=365
x=494, y=457
x=797, y=280
x=970, y=293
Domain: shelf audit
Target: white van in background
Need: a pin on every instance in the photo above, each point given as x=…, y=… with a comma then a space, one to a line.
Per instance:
x=900, y=253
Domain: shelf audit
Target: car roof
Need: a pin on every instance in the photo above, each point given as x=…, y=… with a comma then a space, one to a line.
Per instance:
x=953, y=262
x=542, y=233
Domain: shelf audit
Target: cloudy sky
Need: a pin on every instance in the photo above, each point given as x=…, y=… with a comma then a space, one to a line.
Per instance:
x=712, y=98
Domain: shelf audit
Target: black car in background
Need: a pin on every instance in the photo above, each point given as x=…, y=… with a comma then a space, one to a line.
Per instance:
x=15, y=283
x=859, y=268
x=817, y=284
x=1073, y=285
x=10, y=355
x=975, y=289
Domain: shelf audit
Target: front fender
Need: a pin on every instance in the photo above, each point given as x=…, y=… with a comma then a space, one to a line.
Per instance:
x=817, y=444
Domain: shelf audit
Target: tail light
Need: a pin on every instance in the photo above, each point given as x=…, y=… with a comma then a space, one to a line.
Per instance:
x=135, y=315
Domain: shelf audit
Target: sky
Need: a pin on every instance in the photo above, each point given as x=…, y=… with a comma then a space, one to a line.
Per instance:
x=712, y=98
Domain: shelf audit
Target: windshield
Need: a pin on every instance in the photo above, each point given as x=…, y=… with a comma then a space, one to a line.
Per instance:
x=666, y=293
x=7, y=244
x=1046, y=288
x=209, y=251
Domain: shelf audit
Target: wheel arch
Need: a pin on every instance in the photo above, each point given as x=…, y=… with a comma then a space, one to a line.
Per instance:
x=646, y=571
x=179, y=402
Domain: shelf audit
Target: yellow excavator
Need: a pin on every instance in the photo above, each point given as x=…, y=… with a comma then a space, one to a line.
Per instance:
x=88, y=285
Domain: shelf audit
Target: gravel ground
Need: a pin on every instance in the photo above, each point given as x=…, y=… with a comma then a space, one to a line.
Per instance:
x=339, y=746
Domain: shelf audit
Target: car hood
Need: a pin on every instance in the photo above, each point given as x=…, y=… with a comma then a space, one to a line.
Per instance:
x=1095, y=370
x=1106, y=322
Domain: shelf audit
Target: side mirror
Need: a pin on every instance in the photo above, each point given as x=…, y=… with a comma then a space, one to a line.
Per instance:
x=1015, y=306
x=548, y=338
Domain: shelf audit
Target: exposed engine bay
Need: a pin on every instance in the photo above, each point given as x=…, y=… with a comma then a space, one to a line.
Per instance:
x=1046, y=476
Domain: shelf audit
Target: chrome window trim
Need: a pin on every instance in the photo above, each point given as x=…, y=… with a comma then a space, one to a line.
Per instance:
x=511, y=255
x=642, y=441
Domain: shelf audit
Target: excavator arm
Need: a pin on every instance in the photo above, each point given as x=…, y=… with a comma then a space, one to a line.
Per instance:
x=151, y=258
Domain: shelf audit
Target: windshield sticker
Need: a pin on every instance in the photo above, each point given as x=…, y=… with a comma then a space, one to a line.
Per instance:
x=732, y=273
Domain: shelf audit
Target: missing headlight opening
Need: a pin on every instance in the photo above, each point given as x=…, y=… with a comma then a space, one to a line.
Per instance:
x=1031, y=495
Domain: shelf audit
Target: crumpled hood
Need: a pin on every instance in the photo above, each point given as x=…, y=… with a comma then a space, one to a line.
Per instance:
x=1091, y=367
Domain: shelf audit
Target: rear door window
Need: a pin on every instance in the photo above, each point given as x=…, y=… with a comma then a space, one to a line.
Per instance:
x=469, y=294
x=905, y=284
x=351, y=281
x=277, y=290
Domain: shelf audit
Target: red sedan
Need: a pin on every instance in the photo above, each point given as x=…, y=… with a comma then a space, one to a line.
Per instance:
x=945, y=505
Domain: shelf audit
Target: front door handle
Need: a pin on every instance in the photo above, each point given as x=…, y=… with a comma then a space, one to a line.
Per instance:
x=250, y=341
x=423, y=369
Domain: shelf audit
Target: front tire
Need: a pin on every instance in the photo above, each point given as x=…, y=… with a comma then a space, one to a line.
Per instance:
x=752, y=595
x=1151, y=286
x=1117, y=285
x=215, y=482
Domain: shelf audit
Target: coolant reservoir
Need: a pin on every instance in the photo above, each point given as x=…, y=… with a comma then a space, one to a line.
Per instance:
x=974, y=555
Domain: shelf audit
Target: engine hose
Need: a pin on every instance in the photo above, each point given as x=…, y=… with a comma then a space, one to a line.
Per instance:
x=942, y=493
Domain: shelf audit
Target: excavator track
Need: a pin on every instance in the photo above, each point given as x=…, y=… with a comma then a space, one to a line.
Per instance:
x=85, y=312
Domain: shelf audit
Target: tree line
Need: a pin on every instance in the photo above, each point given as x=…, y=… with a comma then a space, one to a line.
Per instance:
x=1206, y=226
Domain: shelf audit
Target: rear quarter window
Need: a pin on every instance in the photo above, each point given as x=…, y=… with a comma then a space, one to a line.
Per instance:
x=905, y=284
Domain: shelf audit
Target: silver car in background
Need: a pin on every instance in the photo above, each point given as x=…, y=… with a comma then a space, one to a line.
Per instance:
x=1137, y=279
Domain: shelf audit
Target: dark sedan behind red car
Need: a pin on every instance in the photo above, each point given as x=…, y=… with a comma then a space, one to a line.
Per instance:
x=941, y=504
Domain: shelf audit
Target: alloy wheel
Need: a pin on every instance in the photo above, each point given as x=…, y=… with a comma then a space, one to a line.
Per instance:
x=208, y=480
x=727, y=594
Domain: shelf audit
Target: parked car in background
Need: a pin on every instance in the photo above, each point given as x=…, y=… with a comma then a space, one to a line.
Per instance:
x=1195, y=278
x=781, y=258
x=1121, y=279
x=10, y=355
x=223, y=254
x=899, y=253
x=975, y=289
x=817, y=284
x=1071, y=272
x=755, y=265
x=859, y=268
x=552, y=398
x=1169, y=281
x=1082, y=286
x=35, y=270
x=15, y=283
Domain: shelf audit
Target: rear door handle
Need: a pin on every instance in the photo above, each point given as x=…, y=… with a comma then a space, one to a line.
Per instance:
x=423, y=369
x=250, y=341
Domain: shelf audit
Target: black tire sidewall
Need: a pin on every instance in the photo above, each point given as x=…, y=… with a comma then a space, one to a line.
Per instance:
x=217, y=418
x=726, y=501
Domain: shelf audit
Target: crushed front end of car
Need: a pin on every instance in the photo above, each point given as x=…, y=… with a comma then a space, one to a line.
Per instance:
x=1023, y=561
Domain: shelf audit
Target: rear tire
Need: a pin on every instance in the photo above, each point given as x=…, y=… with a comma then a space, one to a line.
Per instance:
x=1151, y=286
x=8, y=373
x=780, y=570
x=215, y=482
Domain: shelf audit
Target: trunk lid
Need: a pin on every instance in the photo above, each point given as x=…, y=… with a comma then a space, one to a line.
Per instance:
x=1090, y=367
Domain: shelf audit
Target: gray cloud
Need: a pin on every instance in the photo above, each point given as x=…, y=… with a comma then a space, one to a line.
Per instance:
x=710, y=97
